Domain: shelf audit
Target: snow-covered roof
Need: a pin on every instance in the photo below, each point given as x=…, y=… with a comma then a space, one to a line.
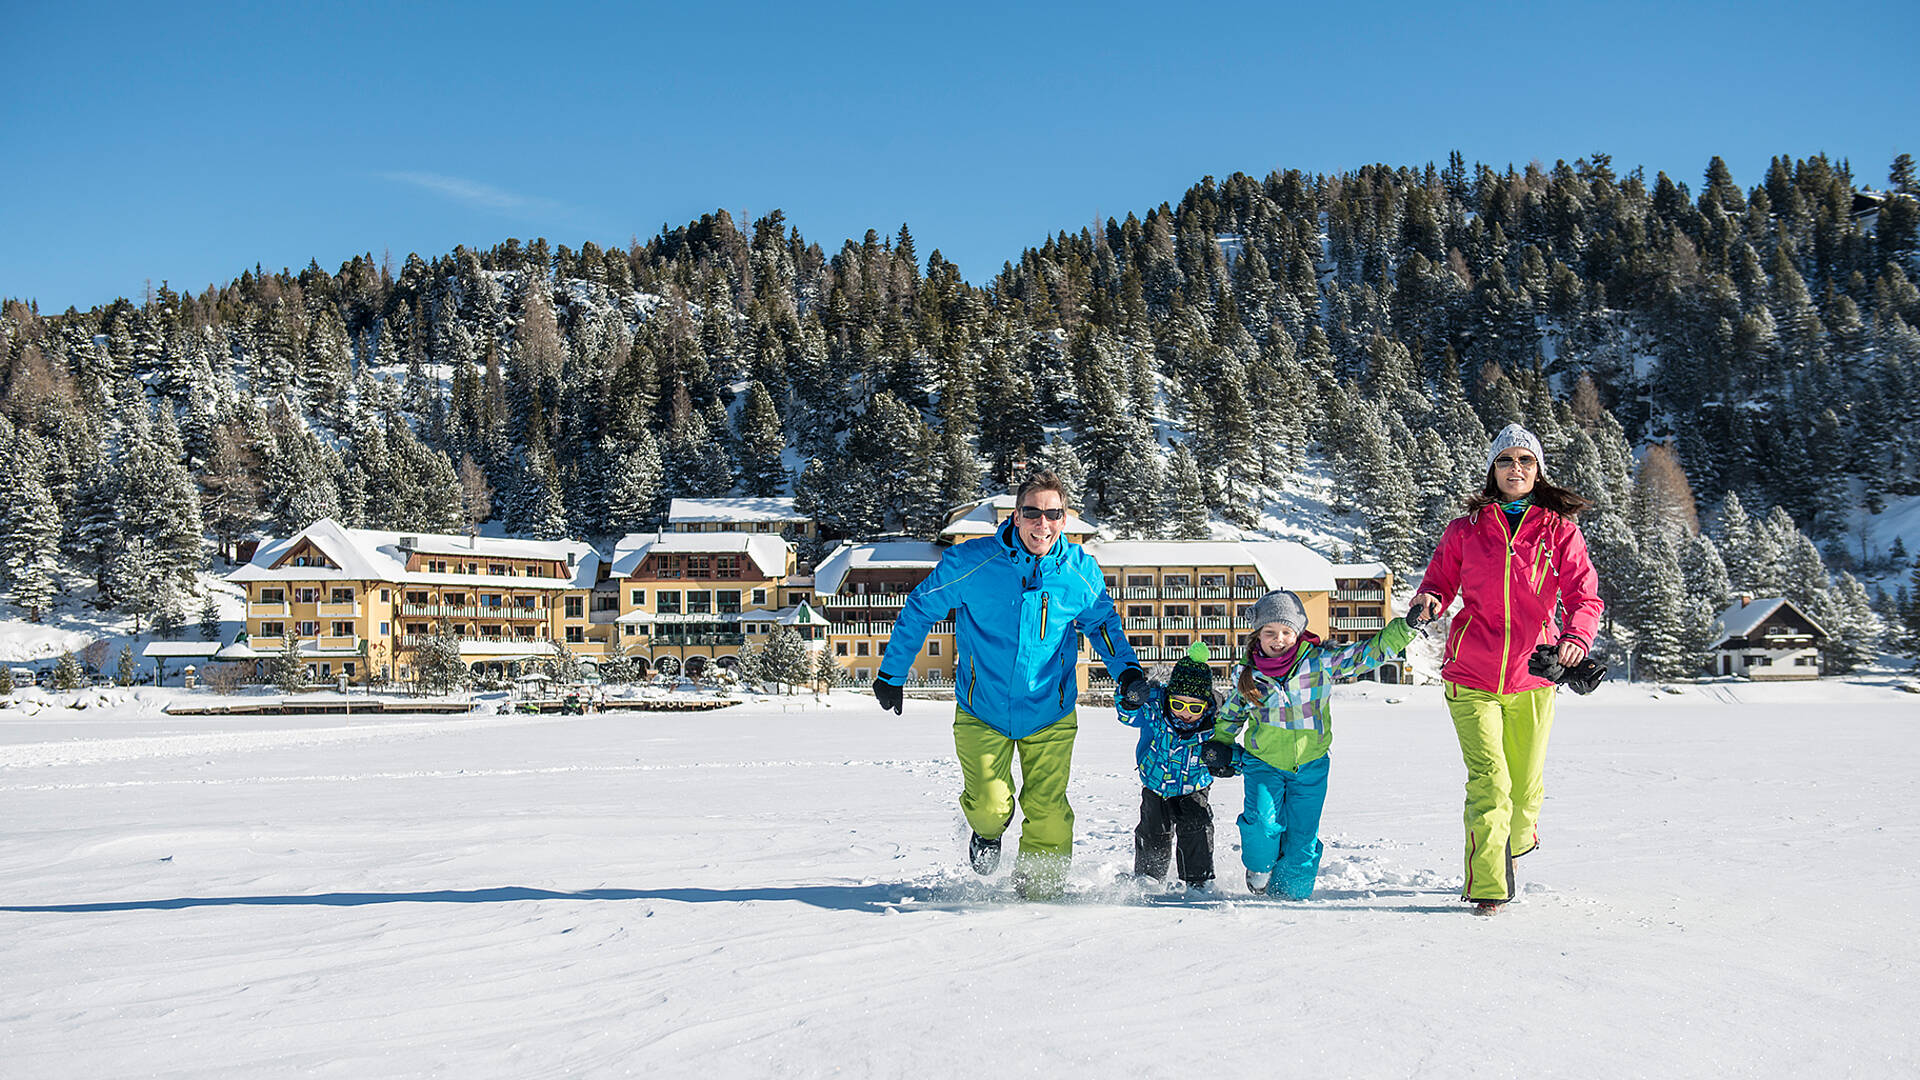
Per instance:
x=768, y=552
x=873, y=555
x=745, y=509
x=377, y=555
x=1740, y=620
x=1281, y=564
x=986, y=515
x=1355, y=570
x=801, y=614
x=174, y=650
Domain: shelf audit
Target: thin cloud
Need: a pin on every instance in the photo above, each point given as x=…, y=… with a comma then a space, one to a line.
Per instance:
x=478, y=195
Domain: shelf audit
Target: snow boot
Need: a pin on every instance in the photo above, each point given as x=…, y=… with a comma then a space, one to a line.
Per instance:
x=1487, y=907
x=1257, y=880
x=984, y=854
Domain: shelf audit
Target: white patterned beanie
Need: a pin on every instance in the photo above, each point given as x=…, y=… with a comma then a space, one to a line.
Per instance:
x=1513, y=435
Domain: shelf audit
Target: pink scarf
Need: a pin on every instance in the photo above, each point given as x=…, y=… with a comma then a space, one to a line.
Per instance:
x=1276, y=667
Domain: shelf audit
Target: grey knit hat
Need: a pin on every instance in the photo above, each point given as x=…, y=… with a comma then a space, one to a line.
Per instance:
x=1514, y=435
x=1280, y=606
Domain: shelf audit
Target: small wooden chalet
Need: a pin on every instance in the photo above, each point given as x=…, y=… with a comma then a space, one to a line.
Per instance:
x=1766, y=639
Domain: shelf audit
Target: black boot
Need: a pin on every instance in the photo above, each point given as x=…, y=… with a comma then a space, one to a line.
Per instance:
x=984, y=853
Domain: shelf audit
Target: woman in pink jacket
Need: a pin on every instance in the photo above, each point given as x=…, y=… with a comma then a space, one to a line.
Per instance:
x=1519, y=565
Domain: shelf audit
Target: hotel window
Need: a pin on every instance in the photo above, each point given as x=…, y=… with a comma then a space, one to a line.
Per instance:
x=1218, y=641
x=437, y=566
x=759, y=597
x=1176, y=641
x=496, y=570
x=343, y=629
x=1112, y=580
x=1174, y=581
x=273, y=596
x=576, y=607
x=933, y=648
x=386, y=596
x=576, y=635
x=726, y=566
x=307, y=628
x=416, y=597
x=861, y=648
x=384, y=631
x=306, y=595
x=727, y=601
x=1213, y=611
x=626, y=631
x=699, y=566
x=340, y=596
x=1139, y=611
x=1245, y=581
x=533, y=570
x=1213, y=581
x=418, y=629
x=699, y=602
x=1140, y=580
x=637, y=597
x=272, y=629
x=454, y=599
x=1177, y=611
x=839, y=648
x=667, y=601
x=1140, y=641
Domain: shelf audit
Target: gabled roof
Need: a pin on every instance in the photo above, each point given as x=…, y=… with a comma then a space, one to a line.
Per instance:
x=768, y=552
x=1359, y=570
x=1741, y=620
x=1281, y=564
x=873, y=554
x=745, y=509
x=377, y=555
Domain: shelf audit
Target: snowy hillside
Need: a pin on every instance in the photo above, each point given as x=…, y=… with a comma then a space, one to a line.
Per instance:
x=774, y=890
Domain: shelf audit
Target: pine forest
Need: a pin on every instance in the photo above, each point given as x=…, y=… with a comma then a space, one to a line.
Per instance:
x=1730, y=374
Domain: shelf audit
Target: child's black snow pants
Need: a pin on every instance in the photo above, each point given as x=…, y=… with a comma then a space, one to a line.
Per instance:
x=1161, y=818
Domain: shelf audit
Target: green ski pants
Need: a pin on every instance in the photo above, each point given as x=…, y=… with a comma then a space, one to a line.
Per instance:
x=1503, y=739
x=986, y=797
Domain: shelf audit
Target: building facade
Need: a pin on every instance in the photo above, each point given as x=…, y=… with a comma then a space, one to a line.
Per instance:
x=1767, y=640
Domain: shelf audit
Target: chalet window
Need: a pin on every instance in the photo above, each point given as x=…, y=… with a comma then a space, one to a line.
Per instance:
x=1176, y=641
x=1218, y=641
x=340, y=596
x=861, y=648
x=306, y=596
x=386, y=596
x=1174, y=581
x=343, y=629
x=699, y=566
x=385, y=629
x=933, y=649
x=273, y=596
x=626, y=631
x=1177, y=611
x=1339, y=613
x=637, y=597
x=667, y=601
x=272, y=629
x=606, y=602
x=497, y=569
x=797, y=598
x=727, y=601
x=533, y=570
x=1213, y=611
x=418, y=628
x=699, y=602
x=525, y=602
x=416, y=597
x=307, y=628
x=1140, y=581
x=1244, y=581
x=726, y=566
x=759, y=597
x=576, y=634
x=454, y=599
x=576, y=607
x=1139, y=611
x=437, y=566
x=1213, y=581
x=1140, y=641
x=839, y=648
x=490, y=600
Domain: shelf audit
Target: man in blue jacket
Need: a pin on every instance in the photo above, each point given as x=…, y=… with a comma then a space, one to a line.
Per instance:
x=1020, y=599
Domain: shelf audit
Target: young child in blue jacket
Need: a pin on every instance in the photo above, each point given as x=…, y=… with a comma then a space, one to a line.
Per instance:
x=1174, y=722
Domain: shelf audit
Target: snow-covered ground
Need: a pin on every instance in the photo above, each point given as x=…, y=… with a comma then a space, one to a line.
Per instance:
x=1728, y=886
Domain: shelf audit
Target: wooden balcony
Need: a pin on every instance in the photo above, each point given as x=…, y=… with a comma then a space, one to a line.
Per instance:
x=863, y=600
x=1361, y=596
x=1368, y=625
x=479, y=611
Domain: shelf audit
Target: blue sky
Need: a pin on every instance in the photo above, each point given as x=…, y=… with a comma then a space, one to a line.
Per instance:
x=189, y=142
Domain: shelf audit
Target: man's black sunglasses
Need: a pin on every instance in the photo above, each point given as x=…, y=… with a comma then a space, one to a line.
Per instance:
x=1034, y=513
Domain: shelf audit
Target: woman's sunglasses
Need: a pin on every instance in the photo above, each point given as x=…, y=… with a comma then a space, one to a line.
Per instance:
x=1034, y=513
x=1505, y=462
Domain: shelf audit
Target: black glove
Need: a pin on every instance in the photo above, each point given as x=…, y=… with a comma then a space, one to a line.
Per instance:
x=1218, y=757
x=1585, y=675
x=1132, y=689
x=1581, y=678
x=1545, y=664
x=888, y=695
x=1419, y=614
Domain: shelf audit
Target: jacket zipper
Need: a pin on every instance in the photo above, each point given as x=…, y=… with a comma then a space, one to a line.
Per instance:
x=1453, y=647
x=1043, y=616
x=1506, y=599
x=973, y=676
x=1540, y=568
